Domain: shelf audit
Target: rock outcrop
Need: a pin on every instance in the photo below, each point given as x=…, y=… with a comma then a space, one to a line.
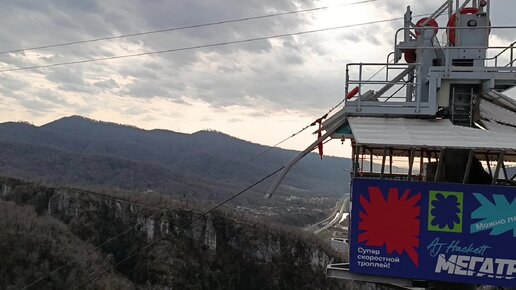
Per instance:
x=212, y=251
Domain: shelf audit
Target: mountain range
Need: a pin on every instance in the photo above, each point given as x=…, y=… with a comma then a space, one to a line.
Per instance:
x=205, y=165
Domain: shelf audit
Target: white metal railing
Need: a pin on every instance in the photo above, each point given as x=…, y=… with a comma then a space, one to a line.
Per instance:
x=510, y=50
x=385, y=88
x=389, y=71
x=458, y=46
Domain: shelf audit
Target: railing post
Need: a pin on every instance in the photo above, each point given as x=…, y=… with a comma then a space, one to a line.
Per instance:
x=411, y=164
x=488, y=11
x=440, y=165
x=387, y=72
x=418, y=97
x=382, y=172
x=457, y=31
x=360, y=79
x=498, y=166
x=448, y=61
x=346, y=85
x=468, y=167
x=390, y=161
x=359, y=108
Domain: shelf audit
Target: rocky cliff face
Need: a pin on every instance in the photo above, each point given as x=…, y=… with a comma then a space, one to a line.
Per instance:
x=69, y=204
x=214, y=251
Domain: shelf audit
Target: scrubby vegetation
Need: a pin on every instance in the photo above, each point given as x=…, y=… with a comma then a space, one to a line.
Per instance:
x=201, y=167
x=32, y=246
x=220, y=251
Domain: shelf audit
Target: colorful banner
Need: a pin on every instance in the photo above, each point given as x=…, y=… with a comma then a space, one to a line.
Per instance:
x=434, y=231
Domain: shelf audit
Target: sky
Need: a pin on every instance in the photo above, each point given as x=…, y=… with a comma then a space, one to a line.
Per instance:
x=260, y=91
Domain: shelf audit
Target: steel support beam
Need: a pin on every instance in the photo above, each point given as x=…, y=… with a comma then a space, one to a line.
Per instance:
x=468, y=167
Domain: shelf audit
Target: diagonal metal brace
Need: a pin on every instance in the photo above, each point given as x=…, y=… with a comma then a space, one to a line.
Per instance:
x=309, y=149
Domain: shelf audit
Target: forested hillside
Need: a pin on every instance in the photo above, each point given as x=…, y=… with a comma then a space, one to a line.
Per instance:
x=32, y=246
x=216, y=251
x=212, y=155
x=205, y=166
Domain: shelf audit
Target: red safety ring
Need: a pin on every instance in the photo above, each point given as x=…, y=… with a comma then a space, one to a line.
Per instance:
x=431, y=23
x=410, y=56
x=453, y=19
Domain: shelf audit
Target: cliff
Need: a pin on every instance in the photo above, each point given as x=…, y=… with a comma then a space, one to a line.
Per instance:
x=217, y=251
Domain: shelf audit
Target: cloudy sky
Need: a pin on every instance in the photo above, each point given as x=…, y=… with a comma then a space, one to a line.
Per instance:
x=260, y=91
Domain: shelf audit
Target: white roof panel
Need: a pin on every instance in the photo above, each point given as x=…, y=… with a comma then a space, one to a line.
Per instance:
x=494, y=126
x=494, y=112
x=403, y=132
x=500, y=99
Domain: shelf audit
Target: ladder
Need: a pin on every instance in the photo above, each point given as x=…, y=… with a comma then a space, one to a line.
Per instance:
x=462, y=108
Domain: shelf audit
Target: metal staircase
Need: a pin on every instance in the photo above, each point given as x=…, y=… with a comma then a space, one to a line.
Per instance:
x=461, y=104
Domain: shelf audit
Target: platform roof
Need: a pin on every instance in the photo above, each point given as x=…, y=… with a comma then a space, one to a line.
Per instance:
x=500, y=100
x=420, y=133
x=494, y=113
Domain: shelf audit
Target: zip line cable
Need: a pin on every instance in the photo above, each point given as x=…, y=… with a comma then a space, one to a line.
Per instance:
x=184, y=27
x=154, y=213
x=271, y=147
x=162, y=209
x=246, y=162
x=274, y=146
x=182, y=227
x=203, y=45
x=291, y=136
x=303, y=129
x=200, y=216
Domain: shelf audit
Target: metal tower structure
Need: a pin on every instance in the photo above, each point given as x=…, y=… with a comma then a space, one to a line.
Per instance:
x=436, y=204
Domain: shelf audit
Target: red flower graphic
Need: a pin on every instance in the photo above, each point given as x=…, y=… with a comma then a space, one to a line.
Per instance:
x=393, y=222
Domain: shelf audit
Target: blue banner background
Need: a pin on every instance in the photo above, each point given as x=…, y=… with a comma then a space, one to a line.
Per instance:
x=403, y=229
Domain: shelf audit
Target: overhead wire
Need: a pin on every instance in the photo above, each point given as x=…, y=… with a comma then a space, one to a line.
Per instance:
x=203, y=45
x=153, y=214
x=182, y=227
x=215, y=207
x=179, y=49
x=294, y=134
x=183, y=27
x=162, y=208
x=385, y=66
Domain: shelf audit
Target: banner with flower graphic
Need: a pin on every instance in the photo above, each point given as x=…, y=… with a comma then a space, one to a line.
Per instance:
x=434, y=231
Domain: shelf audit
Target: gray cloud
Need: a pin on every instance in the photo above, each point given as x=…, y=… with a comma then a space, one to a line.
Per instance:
x=145, y=89
x=12, y=84
x=172, y=75
x=5, y=93
x=107, y=84
x=138, y=72
x=279, y=73
x=36, y=104
x=134, y=111
x=53, y=97
x=69, y=79
x=293, y=59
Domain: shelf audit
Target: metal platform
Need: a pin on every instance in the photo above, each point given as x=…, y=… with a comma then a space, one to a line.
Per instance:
x=442, y=114
x=341, y=271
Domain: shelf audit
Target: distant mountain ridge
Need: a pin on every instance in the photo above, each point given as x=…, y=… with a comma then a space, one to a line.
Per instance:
x=81, y=151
